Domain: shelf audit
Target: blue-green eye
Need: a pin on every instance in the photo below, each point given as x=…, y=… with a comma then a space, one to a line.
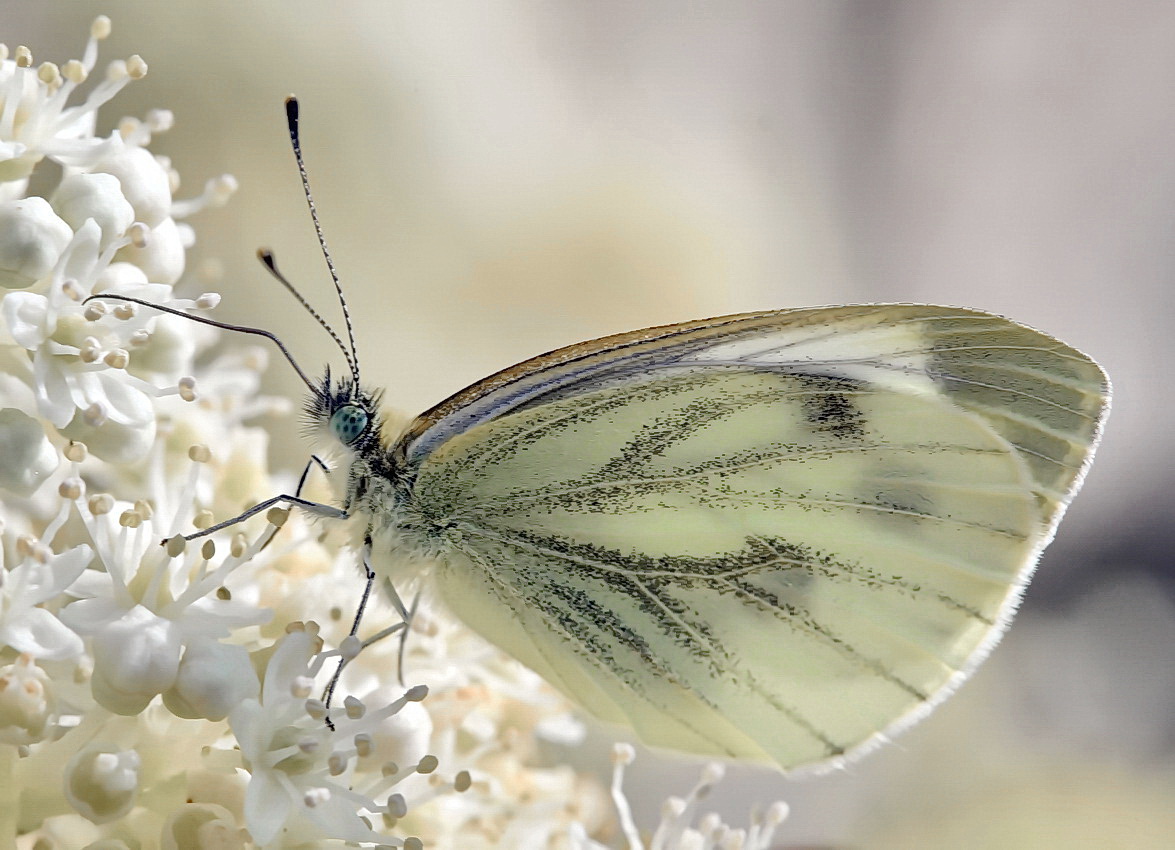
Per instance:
x=348, y=422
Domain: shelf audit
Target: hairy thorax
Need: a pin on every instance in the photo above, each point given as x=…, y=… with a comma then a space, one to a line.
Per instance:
x=404, y=541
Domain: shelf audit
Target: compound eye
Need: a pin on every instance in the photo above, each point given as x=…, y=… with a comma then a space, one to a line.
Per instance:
x=348, y=422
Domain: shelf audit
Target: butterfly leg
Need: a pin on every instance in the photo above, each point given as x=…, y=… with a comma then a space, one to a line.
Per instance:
x=313, y=507
x=329, y=692
x=296, y=499
x=407, y=623
x=406, y=613
x=314, y=459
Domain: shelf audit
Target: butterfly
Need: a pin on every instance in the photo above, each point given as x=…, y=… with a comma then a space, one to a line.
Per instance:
x=779, y=537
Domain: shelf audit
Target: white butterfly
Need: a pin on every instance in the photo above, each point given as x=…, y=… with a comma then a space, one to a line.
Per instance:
x=778, y=537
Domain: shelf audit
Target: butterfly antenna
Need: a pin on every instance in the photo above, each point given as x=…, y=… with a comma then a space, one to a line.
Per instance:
x=267, y=258
x=295, y=141
x=243, y=329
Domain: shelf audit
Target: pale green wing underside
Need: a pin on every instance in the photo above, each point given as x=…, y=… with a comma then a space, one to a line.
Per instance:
x=781, y=541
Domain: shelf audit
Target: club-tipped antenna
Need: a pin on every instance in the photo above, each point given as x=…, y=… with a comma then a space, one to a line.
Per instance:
x=267, y=258
x=295, y=141
x=244, y=329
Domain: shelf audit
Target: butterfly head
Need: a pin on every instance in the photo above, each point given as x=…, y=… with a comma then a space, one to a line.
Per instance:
x=340, y=413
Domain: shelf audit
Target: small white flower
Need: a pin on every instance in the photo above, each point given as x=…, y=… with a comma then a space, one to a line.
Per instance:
x=117, y=421
x=38, y=578
x=676, y=830
x=288, y=755
x=150, y=603
x=41, y=123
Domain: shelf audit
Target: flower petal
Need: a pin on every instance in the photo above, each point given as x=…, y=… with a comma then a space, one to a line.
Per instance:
x=267, y=807
x=26, y=315
x=40, y=634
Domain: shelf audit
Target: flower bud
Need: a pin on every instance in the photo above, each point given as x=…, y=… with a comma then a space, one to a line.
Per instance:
x=26, y=702
x=118, y=276
x=160, y=253
x=32, y=239
x=213, y=679
x=96, y=196
x=403, y=737
x=102, y=782
x=204, y=826
x=135, y=658
x=143, y=181
x=26, y=456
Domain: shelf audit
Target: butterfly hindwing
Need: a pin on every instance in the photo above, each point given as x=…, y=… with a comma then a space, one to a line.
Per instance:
x=772, y=536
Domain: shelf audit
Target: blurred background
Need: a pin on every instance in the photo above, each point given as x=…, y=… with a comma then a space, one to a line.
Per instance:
x=500, y=179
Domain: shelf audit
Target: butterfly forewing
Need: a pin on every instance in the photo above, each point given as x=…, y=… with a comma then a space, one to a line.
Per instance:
x=770, y=537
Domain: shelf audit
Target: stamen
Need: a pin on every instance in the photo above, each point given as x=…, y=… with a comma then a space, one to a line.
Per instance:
x=316, y=797
x=100, y=28
x=118, y=358
x=49, y=74
x=136, y=68
x=100, y=504
x=75, y=72
x=71, y=489
x=176, y=546
x=397, y=806
x=95, y=415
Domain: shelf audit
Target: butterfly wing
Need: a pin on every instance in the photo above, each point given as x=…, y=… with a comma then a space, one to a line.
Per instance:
x=773, y=536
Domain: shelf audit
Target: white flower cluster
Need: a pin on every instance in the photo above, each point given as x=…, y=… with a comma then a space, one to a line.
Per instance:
x=164, y=695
